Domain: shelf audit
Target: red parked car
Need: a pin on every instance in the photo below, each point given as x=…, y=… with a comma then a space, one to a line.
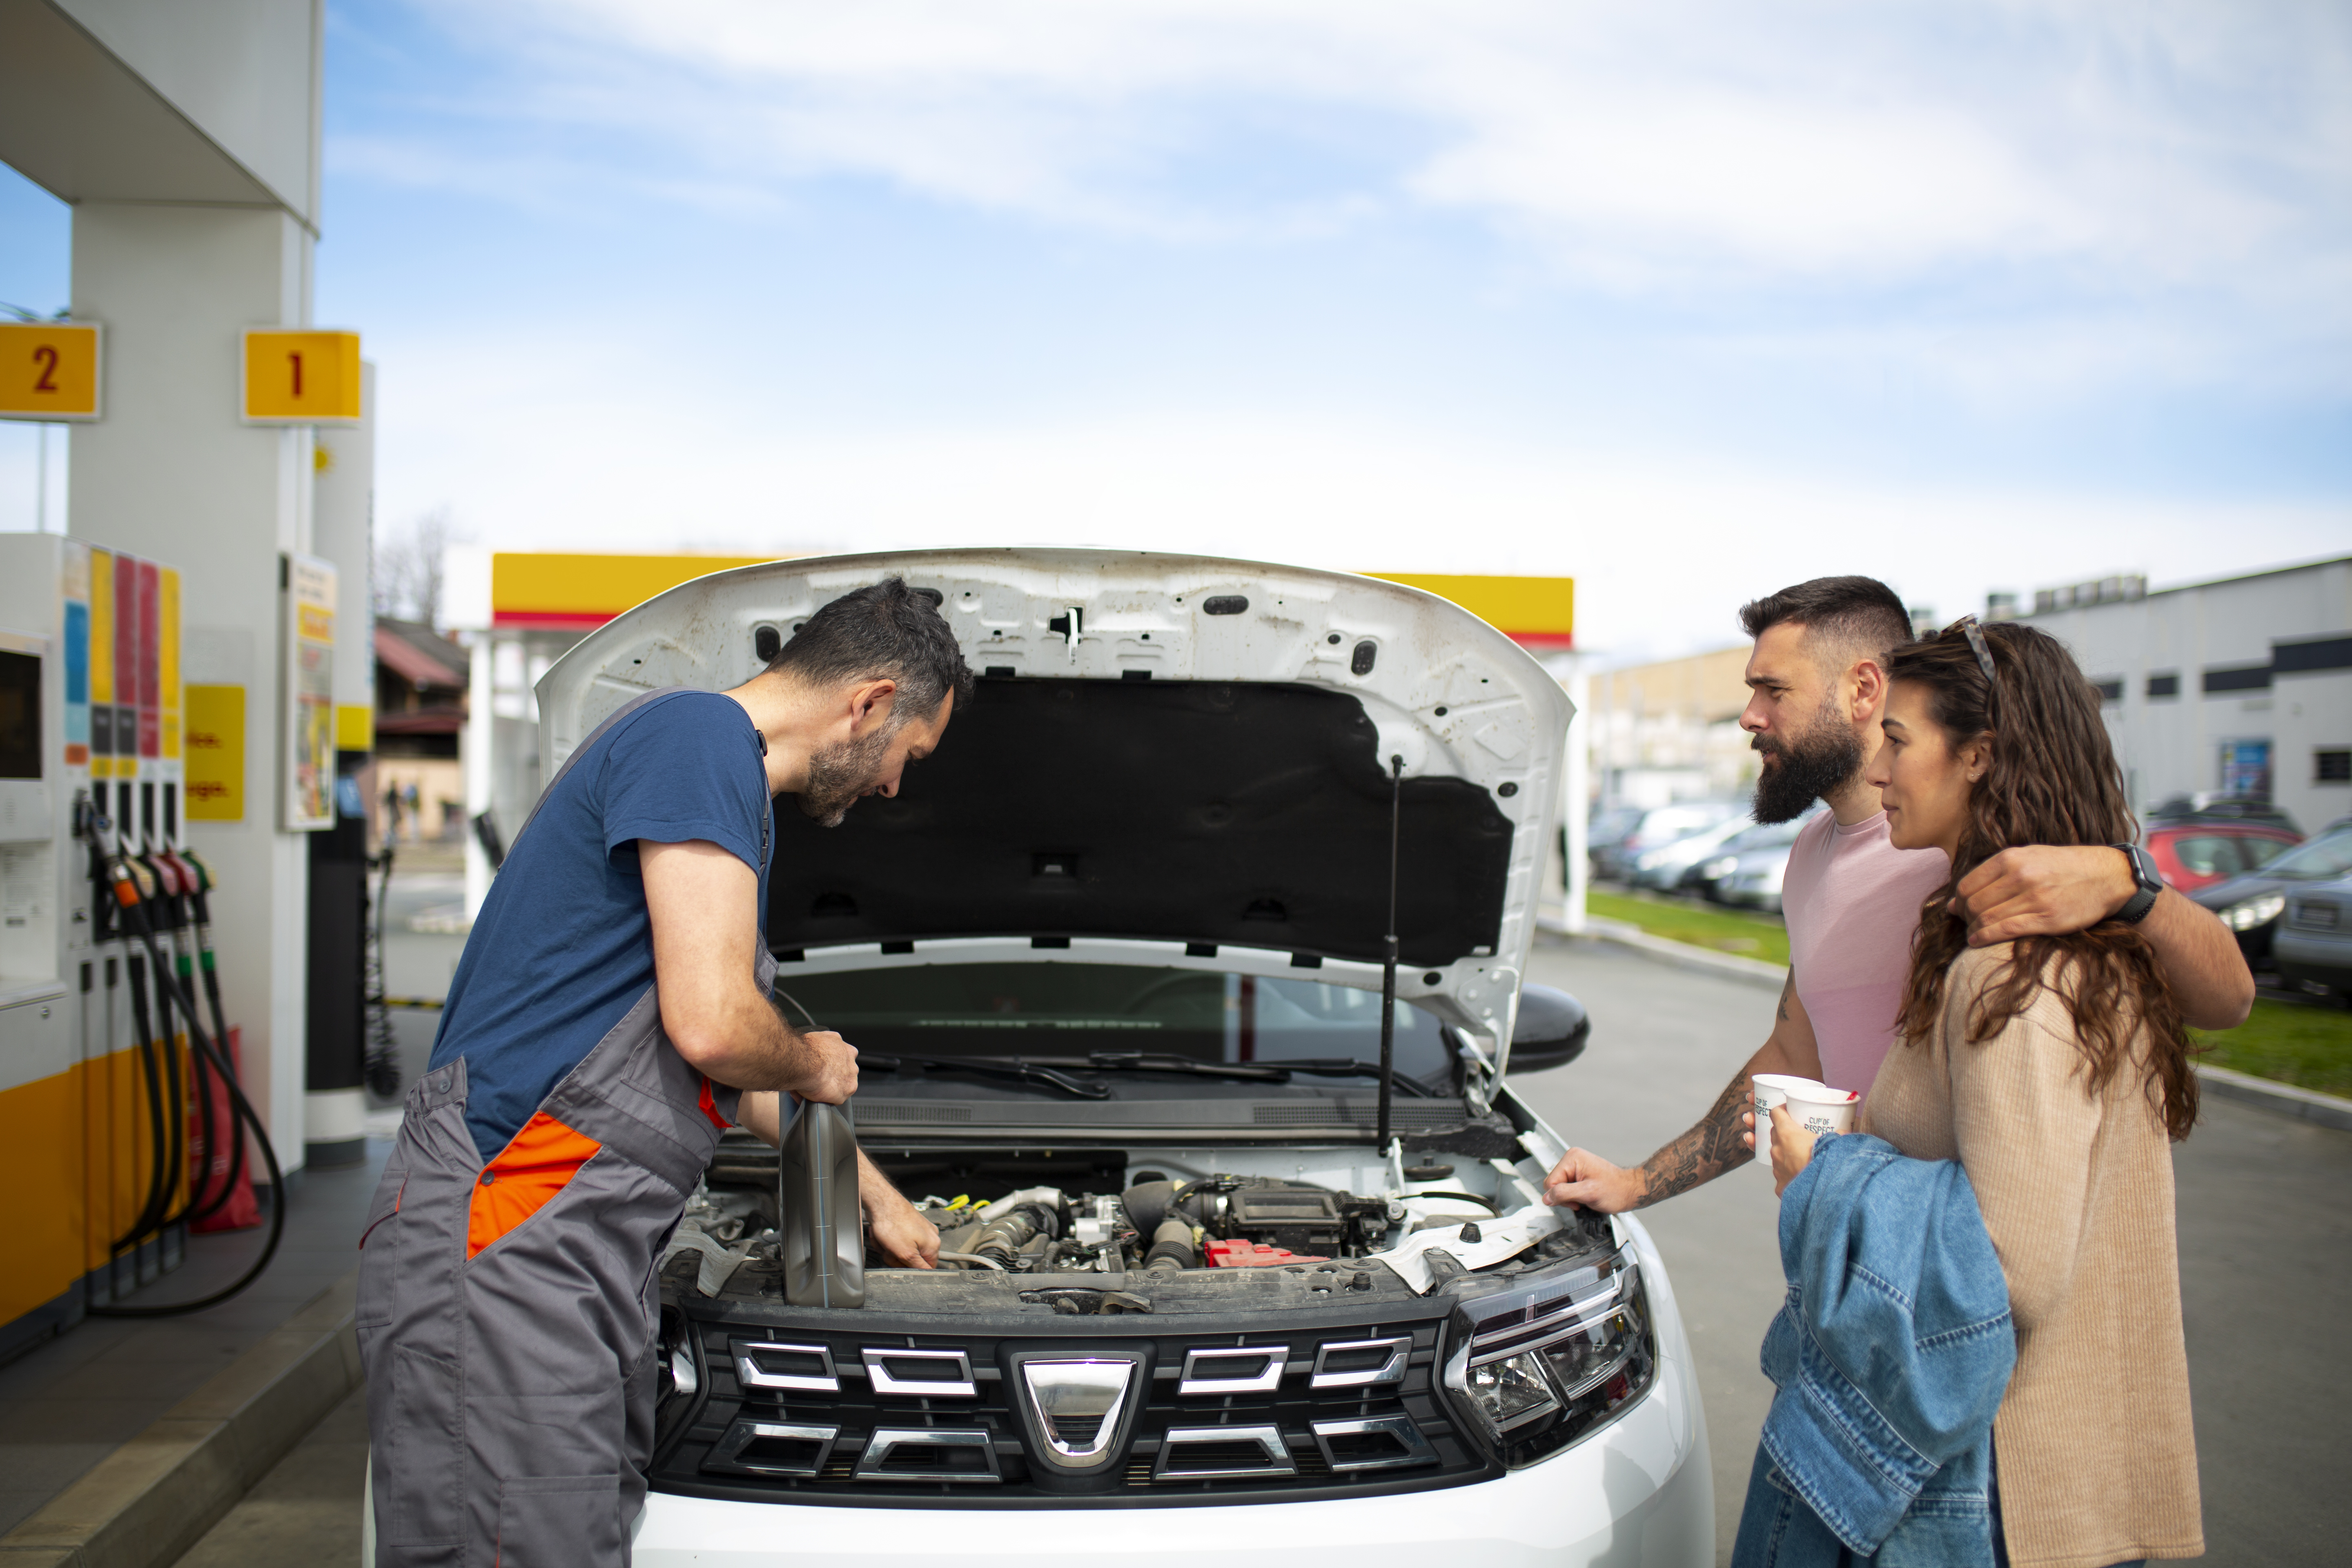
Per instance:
x=2197, y=853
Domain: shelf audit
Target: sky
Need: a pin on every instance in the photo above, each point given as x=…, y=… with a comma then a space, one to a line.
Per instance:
x=1688, y=300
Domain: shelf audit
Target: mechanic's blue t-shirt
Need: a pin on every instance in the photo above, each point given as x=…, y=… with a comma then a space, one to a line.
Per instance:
x=563, y=946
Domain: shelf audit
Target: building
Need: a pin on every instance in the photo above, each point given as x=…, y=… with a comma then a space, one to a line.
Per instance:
x=2238, y=687
x=1670, y=730
x=420, y=683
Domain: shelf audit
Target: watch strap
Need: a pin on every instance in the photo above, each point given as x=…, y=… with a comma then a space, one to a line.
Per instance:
x=2150, y=880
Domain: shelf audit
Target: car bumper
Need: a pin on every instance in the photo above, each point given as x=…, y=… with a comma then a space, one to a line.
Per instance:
x=1639, y=1490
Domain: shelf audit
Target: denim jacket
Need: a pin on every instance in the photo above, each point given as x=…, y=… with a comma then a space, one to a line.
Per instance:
x=1891, y=1356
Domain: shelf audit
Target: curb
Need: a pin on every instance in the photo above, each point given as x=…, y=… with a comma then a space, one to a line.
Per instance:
x=153, y=1498
x=2278, y=1099
x=1681, y=954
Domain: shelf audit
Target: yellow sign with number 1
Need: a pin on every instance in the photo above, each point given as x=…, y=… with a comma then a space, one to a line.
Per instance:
x=302, y=378
x=48, y=370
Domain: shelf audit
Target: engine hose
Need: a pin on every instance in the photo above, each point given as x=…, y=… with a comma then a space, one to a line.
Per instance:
x=1003, y=1237
x=135, y=923
x=1173, y=1248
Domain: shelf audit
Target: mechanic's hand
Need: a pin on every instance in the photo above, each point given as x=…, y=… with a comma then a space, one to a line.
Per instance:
x=900, y=1233
x=832, y=1067
x=1792, y=1149
x=2042, y=890
x=1583, y=1180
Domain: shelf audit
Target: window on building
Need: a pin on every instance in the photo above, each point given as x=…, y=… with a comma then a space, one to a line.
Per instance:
x=2110, y=690
x=2165, y=685
x=2332, y=764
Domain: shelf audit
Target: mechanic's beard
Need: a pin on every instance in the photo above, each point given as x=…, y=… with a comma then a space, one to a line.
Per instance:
x=842, y=774
x=1797, y=773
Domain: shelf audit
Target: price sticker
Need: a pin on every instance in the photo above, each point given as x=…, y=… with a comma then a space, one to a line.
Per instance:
x=48, y=370
x=302, y=378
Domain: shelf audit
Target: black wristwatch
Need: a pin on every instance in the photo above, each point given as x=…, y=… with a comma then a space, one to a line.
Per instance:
x=2150, y=880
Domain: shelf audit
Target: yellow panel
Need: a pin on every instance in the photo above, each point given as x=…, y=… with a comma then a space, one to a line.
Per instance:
x=101, y=626
x=167, y=657
x=354, y=727
x=47, y=371
x=1524, y=607
x=216, y=782
x=553, y=585
x=41, y=1204
x=302, y=378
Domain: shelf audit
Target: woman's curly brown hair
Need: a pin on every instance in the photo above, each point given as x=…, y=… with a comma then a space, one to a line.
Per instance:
x=2053, y=780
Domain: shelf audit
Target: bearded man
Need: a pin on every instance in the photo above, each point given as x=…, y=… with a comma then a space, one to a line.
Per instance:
x=610, y=1018
x=1817, y=679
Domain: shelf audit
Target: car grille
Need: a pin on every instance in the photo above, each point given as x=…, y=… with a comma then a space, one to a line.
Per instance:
x=900, y=1421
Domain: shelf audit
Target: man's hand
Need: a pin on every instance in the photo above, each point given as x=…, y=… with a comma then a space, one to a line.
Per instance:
x=2049, y=889
x=1583, y=1180
x=896, y=1229
x=2044, y=890
x=832, y=1075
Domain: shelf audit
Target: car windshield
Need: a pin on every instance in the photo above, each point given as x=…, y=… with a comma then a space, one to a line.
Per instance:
x=1060, y=1010
x=2207, y=854
x=2315, y=861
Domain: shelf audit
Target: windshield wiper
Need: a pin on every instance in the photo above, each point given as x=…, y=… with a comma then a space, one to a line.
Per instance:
x=993, y=1067
x=1147, y=1062
x=1346, y=1066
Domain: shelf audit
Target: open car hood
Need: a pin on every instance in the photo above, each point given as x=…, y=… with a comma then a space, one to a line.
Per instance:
x=1163, y=747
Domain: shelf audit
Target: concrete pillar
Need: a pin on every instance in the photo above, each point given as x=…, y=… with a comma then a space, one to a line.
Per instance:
x=1576, y=793
x=170, y=474
x=479, y=751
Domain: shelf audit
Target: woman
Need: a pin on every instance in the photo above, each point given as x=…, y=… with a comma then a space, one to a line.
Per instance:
x=2056, y=1071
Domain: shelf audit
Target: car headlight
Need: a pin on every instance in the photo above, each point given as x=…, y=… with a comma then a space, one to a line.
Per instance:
x=1720, y=867
x=2252, y=912
x=1534, y=1368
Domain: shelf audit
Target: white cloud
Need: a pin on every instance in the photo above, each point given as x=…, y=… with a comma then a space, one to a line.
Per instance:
x=2086, y=156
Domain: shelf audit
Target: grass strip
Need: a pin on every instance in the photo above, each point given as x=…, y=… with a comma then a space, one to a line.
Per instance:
x=1749, y=936
x=2308, y=1045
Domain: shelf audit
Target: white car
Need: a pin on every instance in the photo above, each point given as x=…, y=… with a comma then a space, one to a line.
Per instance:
x=1115, y=959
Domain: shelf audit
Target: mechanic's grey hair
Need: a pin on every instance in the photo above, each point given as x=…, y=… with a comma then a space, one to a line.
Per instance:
x=887, y=632
x=1860, y=613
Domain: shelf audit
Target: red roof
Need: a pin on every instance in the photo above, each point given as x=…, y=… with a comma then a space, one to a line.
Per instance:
x=414, y=664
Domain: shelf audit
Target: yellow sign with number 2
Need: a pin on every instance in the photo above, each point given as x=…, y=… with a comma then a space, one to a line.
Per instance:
x=48, y=370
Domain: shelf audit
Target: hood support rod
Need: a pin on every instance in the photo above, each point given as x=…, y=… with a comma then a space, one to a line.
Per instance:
x=1389, y=961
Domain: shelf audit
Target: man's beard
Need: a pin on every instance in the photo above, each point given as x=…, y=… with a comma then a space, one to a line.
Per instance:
x=842, y=774
x=1796, y=773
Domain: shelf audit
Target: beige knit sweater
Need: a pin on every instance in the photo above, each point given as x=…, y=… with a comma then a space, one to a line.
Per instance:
x=2097, y=1460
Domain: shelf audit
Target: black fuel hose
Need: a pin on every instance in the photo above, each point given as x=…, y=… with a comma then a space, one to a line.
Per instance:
x=150, y=1208
x=136, y=925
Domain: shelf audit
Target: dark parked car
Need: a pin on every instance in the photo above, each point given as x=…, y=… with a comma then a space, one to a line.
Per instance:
x=2313, y=947
x=2250, y=904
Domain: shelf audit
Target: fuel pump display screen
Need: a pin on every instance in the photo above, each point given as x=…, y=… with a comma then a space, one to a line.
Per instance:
x=20, y=715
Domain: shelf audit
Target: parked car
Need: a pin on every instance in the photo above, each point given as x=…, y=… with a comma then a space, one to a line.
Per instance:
x=2213, y=806
x=2250, y=904
x=1750, y=870
x=1119, y=1019
x=1662, y=868
x=1607, y=829
x=2197, y=852
x=2314, y=944
x=1662, y=825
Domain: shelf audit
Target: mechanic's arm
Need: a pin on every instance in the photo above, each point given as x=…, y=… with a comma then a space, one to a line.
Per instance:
x=1721, y=1139
x=895, y=1226
x=704, y=903
x=2047, y=890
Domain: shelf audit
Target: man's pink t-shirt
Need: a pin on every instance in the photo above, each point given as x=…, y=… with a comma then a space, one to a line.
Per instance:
x=1852, y=900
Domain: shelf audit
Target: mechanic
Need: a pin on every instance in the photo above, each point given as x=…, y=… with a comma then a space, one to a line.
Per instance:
x=609, y=1018
x=1852, y=900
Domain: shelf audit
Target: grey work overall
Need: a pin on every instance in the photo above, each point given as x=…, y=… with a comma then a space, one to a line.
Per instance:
x=507, y=1313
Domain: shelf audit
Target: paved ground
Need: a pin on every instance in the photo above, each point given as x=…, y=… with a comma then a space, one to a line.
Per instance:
x=2265, y=1214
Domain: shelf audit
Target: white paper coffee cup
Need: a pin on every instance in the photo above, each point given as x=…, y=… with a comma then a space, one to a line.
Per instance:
x=1772, y=1089
x=1821, y=1110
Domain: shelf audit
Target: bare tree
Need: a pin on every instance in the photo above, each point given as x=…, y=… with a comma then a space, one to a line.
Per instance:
x=408, y=568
